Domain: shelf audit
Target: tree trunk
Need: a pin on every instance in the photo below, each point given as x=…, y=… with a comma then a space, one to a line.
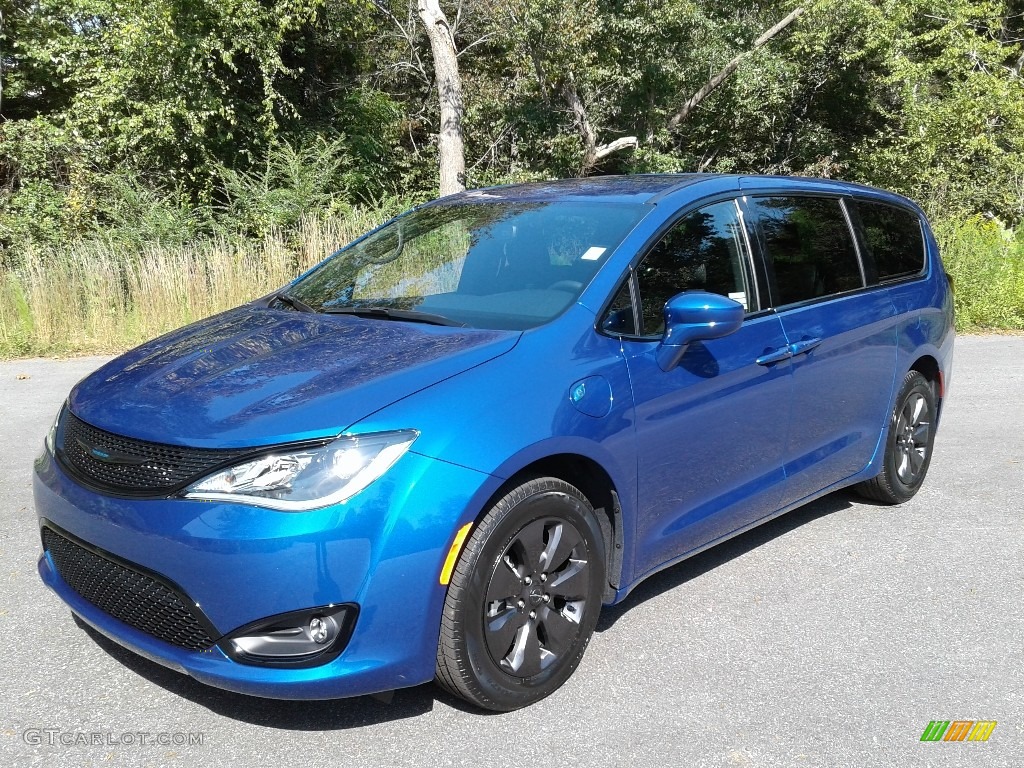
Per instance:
x=450, y=150
x=1, y=67
x=729, y=68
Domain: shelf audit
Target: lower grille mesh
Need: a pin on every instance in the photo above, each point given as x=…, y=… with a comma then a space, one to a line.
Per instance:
x=128, y=595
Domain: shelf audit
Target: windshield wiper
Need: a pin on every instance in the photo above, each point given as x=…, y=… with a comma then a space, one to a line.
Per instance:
x=395, y=314
x=294, y=303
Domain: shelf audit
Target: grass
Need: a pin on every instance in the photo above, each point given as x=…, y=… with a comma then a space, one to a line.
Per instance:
x=95, y=298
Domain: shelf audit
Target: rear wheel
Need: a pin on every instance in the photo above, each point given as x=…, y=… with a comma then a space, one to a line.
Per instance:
x=524, y=598
x=908, y=448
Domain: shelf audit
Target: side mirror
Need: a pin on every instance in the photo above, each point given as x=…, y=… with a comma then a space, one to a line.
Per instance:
x=695, y=316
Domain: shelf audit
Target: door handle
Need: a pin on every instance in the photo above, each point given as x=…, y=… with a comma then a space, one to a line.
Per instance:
x=780, y=354
x=803, y=347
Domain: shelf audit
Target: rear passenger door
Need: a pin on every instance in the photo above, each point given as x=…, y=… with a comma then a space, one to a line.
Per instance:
x=842, y=334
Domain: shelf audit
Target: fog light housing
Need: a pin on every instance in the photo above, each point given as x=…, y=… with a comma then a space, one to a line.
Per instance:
x=303, y=638
x=321, y=629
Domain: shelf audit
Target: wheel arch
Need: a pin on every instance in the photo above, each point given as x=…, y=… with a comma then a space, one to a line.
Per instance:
x=928, y=366
x=596, y=484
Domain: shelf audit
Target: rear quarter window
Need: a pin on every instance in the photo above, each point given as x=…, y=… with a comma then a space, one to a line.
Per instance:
x=892, y=238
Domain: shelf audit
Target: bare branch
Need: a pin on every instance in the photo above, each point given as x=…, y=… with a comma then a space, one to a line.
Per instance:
x=383, y=8
x=501, y=135
x=405, y=31
x=592, y=153
x=476, y=42
x=719, y=78
x=706, y=161
x=626, y=142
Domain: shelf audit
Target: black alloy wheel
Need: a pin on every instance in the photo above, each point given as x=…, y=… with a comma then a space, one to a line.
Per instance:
x=524, y=598
x=908, y=448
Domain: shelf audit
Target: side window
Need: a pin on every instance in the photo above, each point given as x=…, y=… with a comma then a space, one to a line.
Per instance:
x=809, y=245
x=619, y=320
x=705, y=251
x=893, y=239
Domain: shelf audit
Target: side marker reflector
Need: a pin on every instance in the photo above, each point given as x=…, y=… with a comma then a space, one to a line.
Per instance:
x=453, y=554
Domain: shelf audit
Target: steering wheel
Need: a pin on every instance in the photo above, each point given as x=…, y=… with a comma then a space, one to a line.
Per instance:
x=572, y=286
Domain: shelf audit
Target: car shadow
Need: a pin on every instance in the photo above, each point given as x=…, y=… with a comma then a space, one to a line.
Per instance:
x=699, y=564
x=328, y=715
x=343, y=714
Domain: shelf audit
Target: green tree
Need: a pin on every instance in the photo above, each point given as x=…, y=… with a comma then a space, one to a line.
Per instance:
x=951, y=99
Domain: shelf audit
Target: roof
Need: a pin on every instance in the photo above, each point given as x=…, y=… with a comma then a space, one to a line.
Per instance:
x=637, y=188
x=652, y=187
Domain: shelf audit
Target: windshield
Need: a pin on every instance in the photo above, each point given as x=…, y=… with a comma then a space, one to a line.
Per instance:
x=489, y=265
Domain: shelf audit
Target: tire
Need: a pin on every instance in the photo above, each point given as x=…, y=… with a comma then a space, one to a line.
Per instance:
x=908, y=445
x=523, y=599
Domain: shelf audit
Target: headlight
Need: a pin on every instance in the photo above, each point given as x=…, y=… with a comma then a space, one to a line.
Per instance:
x=310, y=478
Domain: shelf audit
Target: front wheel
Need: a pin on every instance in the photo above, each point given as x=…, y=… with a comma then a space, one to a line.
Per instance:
x=908, y=447
x=524, y=598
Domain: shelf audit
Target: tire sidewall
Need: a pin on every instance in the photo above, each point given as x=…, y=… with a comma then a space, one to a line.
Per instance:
x=508, y=691
x=913, y=383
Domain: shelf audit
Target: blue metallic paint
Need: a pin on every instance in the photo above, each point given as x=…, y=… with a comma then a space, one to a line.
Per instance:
x=383, y=549
x=696, y=316
x=718, y=401
x=836, y=415
x=696, y=454
x=254, y=376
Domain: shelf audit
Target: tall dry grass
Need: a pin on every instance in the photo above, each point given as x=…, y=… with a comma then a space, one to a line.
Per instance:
x=95, y=297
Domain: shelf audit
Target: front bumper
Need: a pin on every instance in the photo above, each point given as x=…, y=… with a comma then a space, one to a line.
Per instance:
x=382, y=550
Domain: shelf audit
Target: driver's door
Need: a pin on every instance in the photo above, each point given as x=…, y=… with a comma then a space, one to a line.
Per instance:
x=711, y=432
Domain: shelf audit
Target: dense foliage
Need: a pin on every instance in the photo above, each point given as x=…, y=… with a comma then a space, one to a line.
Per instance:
x=170, y=118
x=179, y=123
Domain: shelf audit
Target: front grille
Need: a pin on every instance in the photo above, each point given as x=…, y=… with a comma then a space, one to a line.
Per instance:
x=133, y=597
x=134, y=467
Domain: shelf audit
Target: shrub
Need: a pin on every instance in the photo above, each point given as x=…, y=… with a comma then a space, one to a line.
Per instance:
x=986, y=262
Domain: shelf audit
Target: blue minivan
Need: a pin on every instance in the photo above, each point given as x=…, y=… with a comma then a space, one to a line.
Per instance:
x=438, y=453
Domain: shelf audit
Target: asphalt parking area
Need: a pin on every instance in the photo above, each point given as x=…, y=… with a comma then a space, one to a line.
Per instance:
x=829, y=637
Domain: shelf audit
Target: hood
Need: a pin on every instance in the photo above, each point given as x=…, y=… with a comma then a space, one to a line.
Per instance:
x=255, y=376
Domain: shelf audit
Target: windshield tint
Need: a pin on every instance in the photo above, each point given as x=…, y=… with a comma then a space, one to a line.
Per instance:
x=489, y=265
